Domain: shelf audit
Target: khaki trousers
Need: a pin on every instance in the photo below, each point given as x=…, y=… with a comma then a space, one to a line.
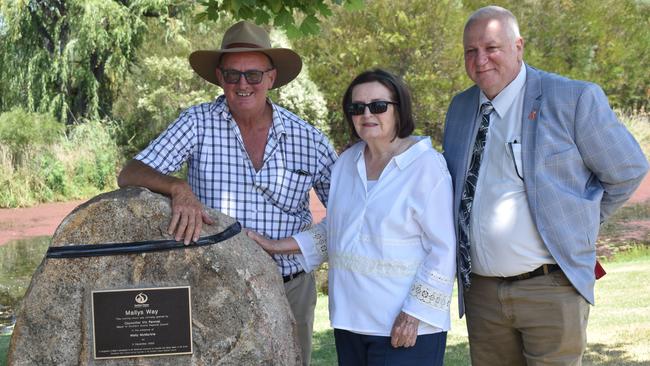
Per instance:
x=301, y=293
x=538, y=321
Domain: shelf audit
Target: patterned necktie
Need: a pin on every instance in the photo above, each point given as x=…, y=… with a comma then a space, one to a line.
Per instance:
x=467, y=198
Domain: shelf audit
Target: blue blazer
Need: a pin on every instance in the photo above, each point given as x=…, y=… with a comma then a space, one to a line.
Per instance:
x=580, y=164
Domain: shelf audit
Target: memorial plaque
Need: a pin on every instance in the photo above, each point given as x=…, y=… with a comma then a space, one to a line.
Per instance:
x=142, y=322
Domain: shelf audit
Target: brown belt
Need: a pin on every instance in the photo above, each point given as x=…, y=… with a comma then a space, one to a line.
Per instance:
x=540, y=271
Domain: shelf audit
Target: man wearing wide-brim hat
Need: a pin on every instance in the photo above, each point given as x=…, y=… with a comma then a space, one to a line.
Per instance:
x=247, y=157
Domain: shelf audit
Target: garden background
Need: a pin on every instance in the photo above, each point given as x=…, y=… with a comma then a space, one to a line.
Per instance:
x=85, y=84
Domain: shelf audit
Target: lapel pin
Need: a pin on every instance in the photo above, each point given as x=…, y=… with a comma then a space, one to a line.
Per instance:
x=532, y=115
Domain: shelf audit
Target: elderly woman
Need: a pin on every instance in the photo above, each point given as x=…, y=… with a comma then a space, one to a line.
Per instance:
x=388, y=236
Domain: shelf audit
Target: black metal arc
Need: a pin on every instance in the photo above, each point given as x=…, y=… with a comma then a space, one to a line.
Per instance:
x=95, y=250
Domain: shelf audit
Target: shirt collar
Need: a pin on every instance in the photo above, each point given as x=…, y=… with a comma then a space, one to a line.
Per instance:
x=507, y=96
x=277, y=129
x=403, y=160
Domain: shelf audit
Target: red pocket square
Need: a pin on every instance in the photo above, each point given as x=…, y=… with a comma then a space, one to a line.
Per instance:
x=599, y=270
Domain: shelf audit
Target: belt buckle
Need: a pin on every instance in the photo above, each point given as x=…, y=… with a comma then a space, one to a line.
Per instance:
x=542, y=270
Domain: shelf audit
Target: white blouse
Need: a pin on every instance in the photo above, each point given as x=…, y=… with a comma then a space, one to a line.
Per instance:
x=390, y=249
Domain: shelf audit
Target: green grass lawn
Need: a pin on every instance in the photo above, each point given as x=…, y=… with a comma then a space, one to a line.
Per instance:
x=618, y=332
x=619, y=324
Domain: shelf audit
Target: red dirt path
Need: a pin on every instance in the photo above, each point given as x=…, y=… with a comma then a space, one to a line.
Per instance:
x=43, y=219
x=40, y=220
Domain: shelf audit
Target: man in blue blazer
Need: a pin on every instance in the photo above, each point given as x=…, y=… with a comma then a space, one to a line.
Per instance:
x=536, y=171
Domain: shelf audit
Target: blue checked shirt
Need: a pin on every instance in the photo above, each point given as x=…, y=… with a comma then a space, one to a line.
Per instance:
x=273, y=201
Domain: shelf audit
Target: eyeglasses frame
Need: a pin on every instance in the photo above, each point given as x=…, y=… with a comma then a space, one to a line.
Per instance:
x=240, y=73
x=368, y=105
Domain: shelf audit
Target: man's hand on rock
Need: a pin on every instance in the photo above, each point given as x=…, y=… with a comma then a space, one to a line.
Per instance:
x=188, y=215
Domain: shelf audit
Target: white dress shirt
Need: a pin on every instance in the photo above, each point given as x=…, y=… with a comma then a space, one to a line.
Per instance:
x=504, y=240
x=390, y=249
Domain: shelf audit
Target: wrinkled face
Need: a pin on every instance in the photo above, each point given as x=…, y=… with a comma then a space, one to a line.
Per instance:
x=242, y=96
x=492, y=56
x=370, y=127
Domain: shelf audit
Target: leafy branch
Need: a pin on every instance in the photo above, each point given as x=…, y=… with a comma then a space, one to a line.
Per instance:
x=296, y=17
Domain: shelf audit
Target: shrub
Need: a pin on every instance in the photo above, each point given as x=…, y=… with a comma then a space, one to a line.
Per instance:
x=92, y=156
x=54, y=180
x=41, y=166
x=20, y=130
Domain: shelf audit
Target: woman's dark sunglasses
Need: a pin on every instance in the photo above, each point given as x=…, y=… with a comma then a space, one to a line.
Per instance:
x=377, y=107
x=252, y=76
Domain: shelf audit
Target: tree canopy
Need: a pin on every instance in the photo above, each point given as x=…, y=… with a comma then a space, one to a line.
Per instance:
x=120, y=67
x=603, y=41
x=67, y=57
x=418, y=40
x=75, y=58
x=282, y=14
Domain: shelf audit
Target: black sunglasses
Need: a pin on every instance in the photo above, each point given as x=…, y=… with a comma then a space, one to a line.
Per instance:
x=377, y=107
x=252, y=76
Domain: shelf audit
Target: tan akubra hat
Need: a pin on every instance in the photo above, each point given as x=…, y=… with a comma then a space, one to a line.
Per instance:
x=247, y=37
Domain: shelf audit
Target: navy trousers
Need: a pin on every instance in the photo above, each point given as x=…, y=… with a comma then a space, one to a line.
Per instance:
x=363, y=350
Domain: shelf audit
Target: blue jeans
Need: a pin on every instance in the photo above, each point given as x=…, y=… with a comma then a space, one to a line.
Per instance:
x=363, y=350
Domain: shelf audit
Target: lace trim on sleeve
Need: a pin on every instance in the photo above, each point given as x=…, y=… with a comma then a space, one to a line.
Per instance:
x=319, y=236
x=435, y=276
x=430, y=296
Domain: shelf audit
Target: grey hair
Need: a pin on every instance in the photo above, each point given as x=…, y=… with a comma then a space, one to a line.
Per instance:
x=496, y=12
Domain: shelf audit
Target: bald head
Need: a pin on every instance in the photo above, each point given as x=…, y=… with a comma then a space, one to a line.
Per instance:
x=492, y=12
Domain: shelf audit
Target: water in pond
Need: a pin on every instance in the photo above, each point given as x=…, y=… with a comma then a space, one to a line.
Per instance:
x=18, y=260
